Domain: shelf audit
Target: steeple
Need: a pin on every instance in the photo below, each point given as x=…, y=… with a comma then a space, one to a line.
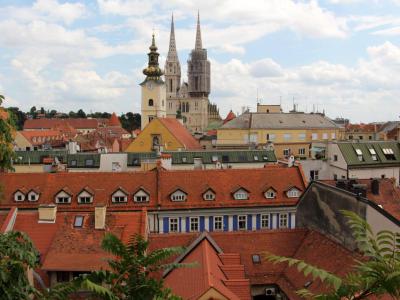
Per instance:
x=172, y=53
x=153, y=70
x=198, y=45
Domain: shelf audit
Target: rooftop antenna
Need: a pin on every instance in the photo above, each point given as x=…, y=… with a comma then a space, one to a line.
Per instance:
x=257, y=97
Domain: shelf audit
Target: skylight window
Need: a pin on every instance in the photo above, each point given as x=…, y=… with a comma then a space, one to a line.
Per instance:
x=389, y=154
x=372, y=151
x=359, y=152
x=78, y=222
x=214, y=158
x=256, y=259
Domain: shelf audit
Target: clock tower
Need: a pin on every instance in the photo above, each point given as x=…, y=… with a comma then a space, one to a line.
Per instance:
x=153, y=89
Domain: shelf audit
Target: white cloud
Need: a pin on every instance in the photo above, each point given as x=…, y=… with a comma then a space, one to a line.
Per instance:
x=124, y=7
x=67, y=12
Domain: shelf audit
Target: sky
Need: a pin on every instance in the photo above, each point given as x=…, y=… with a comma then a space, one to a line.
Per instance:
x=340, y=56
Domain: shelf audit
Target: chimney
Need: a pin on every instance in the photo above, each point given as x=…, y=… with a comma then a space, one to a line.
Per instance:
x=47, y=213
x=198, y=163
x=100, y=217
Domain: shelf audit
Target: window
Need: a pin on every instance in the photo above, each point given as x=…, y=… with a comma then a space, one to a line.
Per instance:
x=287, y=136
x=271, y=137
x=314, y=174
x=335, y=157
x=141, y=196
x=173, y=224
x=89, y=162
x=73, y=163
x=253, y=138
x=242, y=222
x=373, y=154
x=78, y=222
x=333, y=136
x=18, y=196
x=293, y=192
x=63, y=200
x=255, y=157
x=184, y=159
x=389, y=154
x=218, y=223
x=350, y=137
x=360, y=137
x=240, y=194
x=151, y=102
x=302, y=151
x=178, y=196
x=119, y=197
x=32, y=196
x=359, y=154
x=214, y=158
x=194, y=224
x=264, y=221
x=209, y=195
x=324, y=136
x=270, y=194
x=256, y=259
x=85, y=199
x=225, y=158
x=302, y=136
x=314, y=136
x=283, y=221
x=62, y=276
x=286, y=152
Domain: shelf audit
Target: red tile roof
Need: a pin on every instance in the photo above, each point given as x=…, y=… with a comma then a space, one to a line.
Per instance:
x=229, y=117
x=114, y=121
x=297, y=243
x=362, y=127
x=211, y=272
x=160, y=184
x=78, y=123
x=39, y=137
x=180, y=133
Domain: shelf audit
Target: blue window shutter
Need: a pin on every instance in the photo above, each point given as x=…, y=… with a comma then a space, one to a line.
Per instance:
x=226, y=223
x=234, y=223
x=258, y=222
x=180, y=224
x=166, y=224
x=290, y=220
x=187, y=224
x=202, y=224
x=277, y=220
x=211, y=224
x=249, y=222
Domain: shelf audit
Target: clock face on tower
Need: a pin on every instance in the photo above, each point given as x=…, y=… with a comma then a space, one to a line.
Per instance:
x=150, y=85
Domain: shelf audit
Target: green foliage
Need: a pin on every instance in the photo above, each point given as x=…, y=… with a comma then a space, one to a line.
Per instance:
x=378, y=273
x=130, y=121
x=17, y=253
x=1, y=99
x=130, y=275
x=7, y=154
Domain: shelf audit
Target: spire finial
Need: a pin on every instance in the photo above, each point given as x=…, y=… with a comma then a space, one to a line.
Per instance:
x=172, y=53
x=198, y=45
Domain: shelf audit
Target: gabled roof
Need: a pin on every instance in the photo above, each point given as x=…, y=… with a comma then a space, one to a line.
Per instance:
x=348, y=150
x=114, y=121
x=280, y=121
x=180, y=133
x=229, y=117
x=45, y=123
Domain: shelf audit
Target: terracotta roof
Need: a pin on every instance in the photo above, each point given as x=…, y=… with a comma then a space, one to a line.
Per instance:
x=180, y=133
x=114, y=121
x=79, y=123
x=192, y=182
x=229, y=117
x=297, y=243
x=362, y=127
x=39, y=137
x=211, y=272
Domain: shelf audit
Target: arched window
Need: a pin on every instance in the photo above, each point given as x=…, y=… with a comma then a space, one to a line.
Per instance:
x=156, y=141
x=187, y=106
x=151, y=102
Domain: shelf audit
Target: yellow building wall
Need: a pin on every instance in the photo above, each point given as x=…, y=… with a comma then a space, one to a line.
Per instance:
x=144, y=141
x=157, y=92
x=212, y=294
x=28, y=169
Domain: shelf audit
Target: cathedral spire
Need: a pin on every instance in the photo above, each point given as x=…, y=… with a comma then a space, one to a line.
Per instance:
x=172, y=54
x=198, y=45
x=153, y=70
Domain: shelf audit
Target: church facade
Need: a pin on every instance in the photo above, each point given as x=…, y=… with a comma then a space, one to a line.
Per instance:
x=189, y=100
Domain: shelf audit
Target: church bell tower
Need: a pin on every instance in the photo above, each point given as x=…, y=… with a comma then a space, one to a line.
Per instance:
x=153, y=89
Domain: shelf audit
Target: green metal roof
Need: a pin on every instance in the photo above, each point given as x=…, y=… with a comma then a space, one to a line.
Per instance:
x=352, y=158
x=36, y=157
x=84, y=160
x=233, y=156
x=135, y=158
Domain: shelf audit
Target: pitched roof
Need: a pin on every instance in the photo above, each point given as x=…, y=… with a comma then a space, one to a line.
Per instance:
x=361, y=127
x=229, y=117
x=79, y=123
x=308, y=245
x=193, y=182
x=211, y=272
x=348, y=149
x=180, y=133
x=280, y=121
x=114, y=121
x=39, y=137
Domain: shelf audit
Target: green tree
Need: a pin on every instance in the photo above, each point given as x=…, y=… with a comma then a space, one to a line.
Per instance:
x=81, y=114
x=6, y=141
x=378, y=273
x=17, y=254
x=33, y=112
x=131, y=272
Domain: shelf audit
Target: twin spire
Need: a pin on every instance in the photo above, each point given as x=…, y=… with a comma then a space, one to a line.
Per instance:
x=172, y=53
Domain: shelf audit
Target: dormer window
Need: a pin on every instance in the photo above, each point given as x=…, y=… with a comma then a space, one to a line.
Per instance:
x=85, y=197
x=63, y=197
x=373, y=154
x=120, y=196
x=141, y=196
x=389, y=154
x=270, y=193
x=178, y=195
x=19, y=196
x=209, y=195
x=293, y=193
x=33, y=196
x=359, y=154
x=241, y=194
